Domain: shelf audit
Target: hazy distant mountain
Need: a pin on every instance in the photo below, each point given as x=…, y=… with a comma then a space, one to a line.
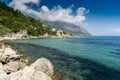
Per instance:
x=68, y=27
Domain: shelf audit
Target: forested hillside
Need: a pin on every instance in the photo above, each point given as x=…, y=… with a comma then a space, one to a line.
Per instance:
x=12, y=21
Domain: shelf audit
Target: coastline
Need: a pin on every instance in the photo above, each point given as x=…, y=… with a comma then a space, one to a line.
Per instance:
x=55, y=74
x=32, y=37
x=38, y=51
x=12, y=64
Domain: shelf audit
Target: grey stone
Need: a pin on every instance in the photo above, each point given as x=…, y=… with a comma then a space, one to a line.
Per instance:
x=14, y=66
x=28, y=73
x=43, y=65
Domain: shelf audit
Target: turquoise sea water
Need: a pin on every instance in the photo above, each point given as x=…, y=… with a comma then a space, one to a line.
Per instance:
x=78, y=58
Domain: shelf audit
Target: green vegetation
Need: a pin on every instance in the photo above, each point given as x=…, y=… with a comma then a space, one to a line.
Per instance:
x=12, y=21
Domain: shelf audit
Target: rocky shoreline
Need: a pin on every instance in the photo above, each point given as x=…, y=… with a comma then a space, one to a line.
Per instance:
x=22, y=34
x=14, y=67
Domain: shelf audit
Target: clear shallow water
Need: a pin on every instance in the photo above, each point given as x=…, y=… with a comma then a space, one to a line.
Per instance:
x=87, y=58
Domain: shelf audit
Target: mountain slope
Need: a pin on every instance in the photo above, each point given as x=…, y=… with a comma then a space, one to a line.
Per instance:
x=12, y=21
x=69, y=28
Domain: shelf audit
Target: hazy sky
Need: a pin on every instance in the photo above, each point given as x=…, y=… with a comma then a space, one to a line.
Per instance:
x=99, y=17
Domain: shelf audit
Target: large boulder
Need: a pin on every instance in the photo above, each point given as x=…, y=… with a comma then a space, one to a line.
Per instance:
x=28, y=73
x=43, y=65
x=14, y=66
x=9, y=51
x=42, y=69
x=3, y=74
x=14, y=69
x=7, y=55
x=1, y=69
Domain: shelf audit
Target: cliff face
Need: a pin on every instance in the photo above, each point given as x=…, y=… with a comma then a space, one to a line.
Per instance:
x=69, y=28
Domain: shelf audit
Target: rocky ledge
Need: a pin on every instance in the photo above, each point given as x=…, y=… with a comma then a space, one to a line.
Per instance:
x=14, y=67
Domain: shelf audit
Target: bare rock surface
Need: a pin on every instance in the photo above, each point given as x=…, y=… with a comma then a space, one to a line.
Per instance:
x=28, y=73
x=8, y=54
x=43, y=65
x=3, y=74
x=12, y=67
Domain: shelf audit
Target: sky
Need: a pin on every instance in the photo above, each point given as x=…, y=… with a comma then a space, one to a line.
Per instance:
x=99, y=17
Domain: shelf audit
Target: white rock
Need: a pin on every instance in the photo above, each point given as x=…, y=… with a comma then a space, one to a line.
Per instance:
x=28, y=73
x=8, y=55
x=14, y=66
x=1, y=69
x=41, y=69
x=3, y=75
x=43, y=65
x=9, y=51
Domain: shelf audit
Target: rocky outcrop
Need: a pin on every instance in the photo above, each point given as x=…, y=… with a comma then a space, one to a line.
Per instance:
x=43, y=65
x=28, y=73
x=3, y=74
x=42, y=69
x=12, y=67
x=7, y=54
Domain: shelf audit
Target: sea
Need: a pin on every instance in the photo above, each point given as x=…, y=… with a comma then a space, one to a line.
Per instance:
x=76, y=58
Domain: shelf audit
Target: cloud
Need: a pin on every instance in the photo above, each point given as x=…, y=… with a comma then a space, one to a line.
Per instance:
x=55, y=14
x=60, y=14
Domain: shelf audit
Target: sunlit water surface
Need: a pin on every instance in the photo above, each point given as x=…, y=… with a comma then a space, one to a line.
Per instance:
x=87, y=58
